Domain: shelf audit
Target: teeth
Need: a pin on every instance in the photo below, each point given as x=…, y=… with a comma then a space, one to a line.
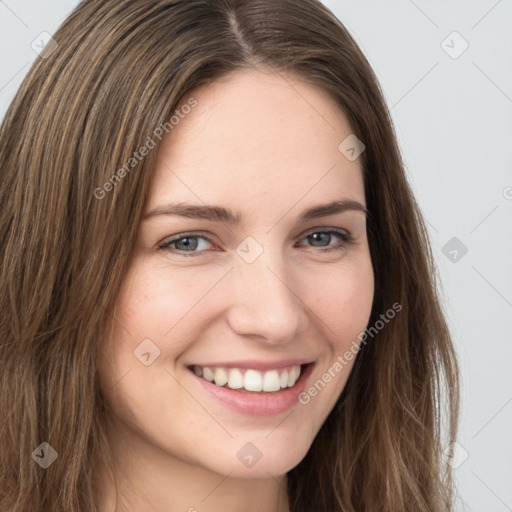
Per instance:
x=207, y=374
x=235, y=380
x=284, y=378
x=220, y=376
x=251, y=380
x=293, y=375
x=271, y=381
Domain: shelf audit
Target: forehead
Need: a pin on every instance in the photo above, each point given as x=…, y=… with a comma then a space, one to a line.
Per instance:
x=256, y=134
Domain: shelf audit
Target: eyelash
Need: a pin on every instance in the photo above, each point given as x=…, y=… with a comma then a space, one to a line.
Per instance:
x=345, y=236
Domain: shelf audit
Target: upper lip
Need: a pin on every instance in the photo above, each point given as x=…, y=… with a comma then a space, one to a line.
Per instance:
x=256, y=364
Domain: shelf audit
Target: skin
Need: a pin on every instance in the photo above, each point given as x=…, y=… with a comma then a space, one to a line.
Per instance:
x=264, y=145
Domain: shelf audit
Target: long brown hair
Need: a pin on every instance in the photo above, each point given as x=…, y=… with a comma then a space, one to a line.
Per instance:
x=119, y=71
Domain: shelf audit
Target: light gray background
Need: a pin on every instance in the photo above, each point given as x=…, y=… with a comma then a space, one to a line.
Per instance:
x=453, y=117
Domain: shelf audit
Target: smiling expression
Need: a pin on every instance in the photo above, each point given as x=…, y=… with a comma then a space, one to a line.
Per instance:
x=251, y=274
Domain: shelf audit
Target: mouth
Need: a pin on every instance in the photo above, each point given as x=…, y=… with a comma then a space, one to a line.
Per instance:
x=253, y=381
x=253, y=388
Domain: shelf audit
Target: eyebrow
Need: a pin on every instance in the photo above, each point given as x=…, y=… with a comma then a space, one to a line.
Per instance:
x=220, y=214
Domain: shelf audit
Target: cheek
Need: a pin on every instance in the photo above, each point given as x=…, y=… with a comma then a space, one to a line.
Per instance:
x=343, y=301
x=342, y=306
x=157, y=304
x=157, y=314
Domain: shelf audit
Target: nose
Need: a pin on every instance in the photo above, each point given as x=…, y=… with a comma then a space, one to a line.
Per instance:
x=264, y=301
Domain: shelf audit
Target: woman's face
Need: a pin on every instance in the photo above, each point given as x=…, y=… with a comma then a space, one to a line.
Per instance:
x=249, y=301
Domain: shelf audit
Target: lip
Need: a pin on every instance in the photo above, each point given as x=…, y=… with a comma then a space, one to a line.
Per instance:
x=256, y=403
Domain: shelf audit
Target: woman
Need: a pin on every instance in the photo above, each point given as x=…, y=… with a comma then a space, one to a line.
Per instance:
x=218, y=288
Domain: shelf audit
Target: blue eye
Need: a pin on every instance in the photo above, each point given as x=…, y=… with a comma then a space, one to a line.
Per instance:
x=187, y=244
x=324, y=237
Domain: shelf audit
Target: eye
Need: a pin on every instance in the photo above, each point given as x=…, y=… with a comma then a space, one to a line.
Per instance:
x=188, y=244
x=184, y=243
x=325, y=237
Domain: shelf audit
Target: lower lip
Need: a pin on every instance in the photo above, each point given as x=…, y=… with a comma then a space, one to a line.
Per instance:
x=258, y=403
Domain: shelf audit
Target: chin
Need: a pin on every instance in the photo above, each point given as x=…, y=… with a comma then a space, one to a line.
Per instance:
x=256, y=457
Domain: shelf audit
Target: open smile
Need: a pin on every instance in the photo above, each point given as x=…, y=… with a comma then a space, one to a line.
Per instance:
x=249, y=379
x=251, y=391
